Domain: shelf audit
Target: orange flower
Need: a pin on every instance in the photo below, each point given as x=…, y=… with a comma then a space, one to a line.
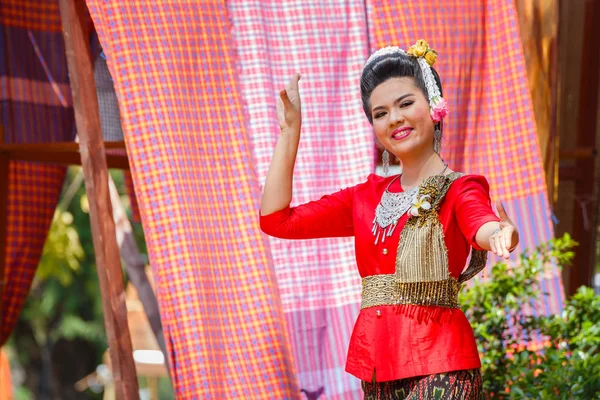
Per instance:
x=419, y=49
x=430, y=56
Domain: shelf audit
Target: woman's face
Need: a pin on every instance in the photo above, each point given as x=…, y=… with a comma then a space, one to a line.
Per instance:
x=401, y=119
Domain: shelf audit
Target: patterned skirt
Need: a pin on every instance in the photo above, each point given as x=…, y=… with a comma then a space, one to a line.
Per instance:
x=460, y=385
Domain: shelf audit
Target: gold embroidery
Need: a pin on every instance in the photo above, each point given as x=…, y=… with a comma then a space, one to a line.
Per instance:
x=384, y=289
x=422, y=254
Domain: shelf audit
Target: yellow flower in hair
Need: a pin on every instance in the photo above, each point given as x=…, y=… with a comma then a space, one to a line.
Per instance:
x=422, y=42
x=430, y=56
x=419, y=49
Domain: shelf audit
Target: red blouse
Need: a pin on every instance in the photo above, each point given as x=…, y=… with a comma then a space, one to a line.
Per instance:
x=397, y=341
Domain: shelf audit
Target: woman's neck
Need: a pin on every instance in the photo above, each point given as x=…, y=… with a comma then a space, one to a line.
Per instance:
x=416, y=170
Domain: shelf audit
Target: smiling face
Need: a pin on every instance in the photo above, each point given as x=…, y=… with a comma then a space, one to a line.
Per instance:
x=401, y=119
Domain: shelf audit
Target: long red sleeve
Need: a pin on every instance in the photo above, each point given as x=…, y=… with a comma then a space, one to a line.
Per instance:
x=330, y=216
x=472, y=206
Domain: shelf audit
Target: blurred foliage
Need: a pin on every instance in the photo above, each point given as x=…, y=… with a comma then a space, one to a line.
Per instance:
x=64, y=307
x=566, y=362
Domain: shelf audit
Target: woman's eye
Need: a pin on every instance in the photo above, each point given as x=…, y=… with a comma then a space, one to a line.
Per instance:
x=406, y=104
x=379, y=115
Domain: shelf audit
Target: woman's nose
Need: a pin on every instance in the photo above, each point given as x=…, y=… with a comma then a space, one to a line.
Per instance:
x=396, y=117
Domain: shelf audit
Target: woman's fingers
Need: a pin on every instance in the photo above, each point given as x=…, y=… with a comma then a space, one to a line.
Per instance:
x=504, y=247
x=290, y=95
x=498, y=243
x=280, y=108
x=293, y=84
x=287, y=103
x=507, y=236
x=493, y=244
x=502, y=212
x=292, y=89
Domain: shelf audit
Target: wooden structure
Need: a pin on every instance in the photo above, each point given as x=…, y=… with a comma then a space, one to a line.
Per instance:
x=578, y=132
x=563, y=68
x=95, y=170
x=90, y=153
x=143, y=340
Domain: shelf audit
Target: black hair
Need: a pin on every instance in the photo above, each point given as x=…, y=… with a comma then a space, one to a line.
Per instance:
x=388, y=66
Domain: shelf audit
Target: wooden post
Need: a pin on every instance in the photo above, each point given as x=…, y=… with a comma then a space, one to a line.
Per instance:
x=135, y=265
x=585, y=234
x=93, y=160
x=3, y=224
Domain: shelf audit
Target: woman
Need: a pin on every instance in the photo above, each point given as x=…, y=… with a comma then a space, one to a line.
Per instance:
x=413, y=233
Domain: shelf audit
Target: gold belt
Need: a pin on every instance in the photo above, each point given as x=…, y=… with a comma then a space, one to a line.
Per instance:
x=385, y=289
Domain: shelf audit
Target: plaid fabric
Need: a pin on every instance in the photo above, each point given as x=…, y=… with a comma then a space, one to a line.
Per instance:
x=33, y=192
x=327, y=43
x=35, y=102
x=193, y=170
x=491, y=127
x=37, y=15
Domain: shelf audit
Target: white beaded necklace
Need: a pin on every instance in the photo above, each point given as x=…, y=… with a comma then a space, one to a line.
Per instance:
x=392, y=207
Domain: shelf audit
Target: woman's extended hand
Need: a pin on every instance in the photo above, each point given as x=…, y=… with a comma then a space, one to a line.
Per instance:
x=289, y=113
x=506, y=237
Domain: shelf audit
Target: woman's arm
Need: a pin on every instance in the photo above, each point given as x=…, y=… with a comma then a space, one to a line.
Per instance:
x=277, y=192
x=330, y=216
x=477, y=221
x=499, y=237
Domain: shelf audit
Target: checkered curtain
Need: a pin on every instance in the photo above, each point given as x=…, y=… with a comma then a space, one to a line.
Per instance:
x=184, y=108
x=327, y=43
x=36, y=107
x=173, y=65
x=491, y=127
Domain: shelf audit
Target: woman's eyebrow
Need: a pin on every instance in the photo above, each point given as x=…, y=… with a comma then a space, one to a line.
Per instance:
x=398, y=100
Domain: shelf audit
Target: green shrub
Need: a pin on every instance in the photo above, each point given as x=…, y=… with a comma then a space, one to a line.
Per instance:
x=567, y=364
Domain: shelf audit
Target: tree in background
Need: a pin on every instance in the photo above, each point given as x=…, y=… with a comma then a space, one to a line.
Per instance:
x=60, y=336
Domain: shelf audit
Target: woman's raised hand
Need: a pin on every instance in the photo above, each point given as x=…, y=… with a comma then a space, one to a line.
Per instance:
x=506, y=238
x=277, y=193
x=289, y=113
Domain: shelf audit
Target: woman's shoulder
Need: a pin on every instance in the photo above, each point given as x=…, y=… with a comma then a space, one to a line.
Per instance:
x=469, y=180
x=372, y=185
x=469, y=186
x=374, y=181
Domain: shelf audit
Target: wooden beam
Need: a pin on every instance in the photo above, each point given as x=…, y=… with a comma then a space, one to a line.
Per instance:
x=62, y=157
x=93, y=160
x=64, y=153
x=578, y=153
x=584, y=231
x=4, y=164
x=570, y=174
x=56, y=147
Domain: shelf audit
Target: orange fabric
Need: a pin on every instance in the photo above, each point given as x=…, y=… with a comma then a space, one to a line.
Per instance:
x=173, y=67
x=405, y=340
x=6, y=389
